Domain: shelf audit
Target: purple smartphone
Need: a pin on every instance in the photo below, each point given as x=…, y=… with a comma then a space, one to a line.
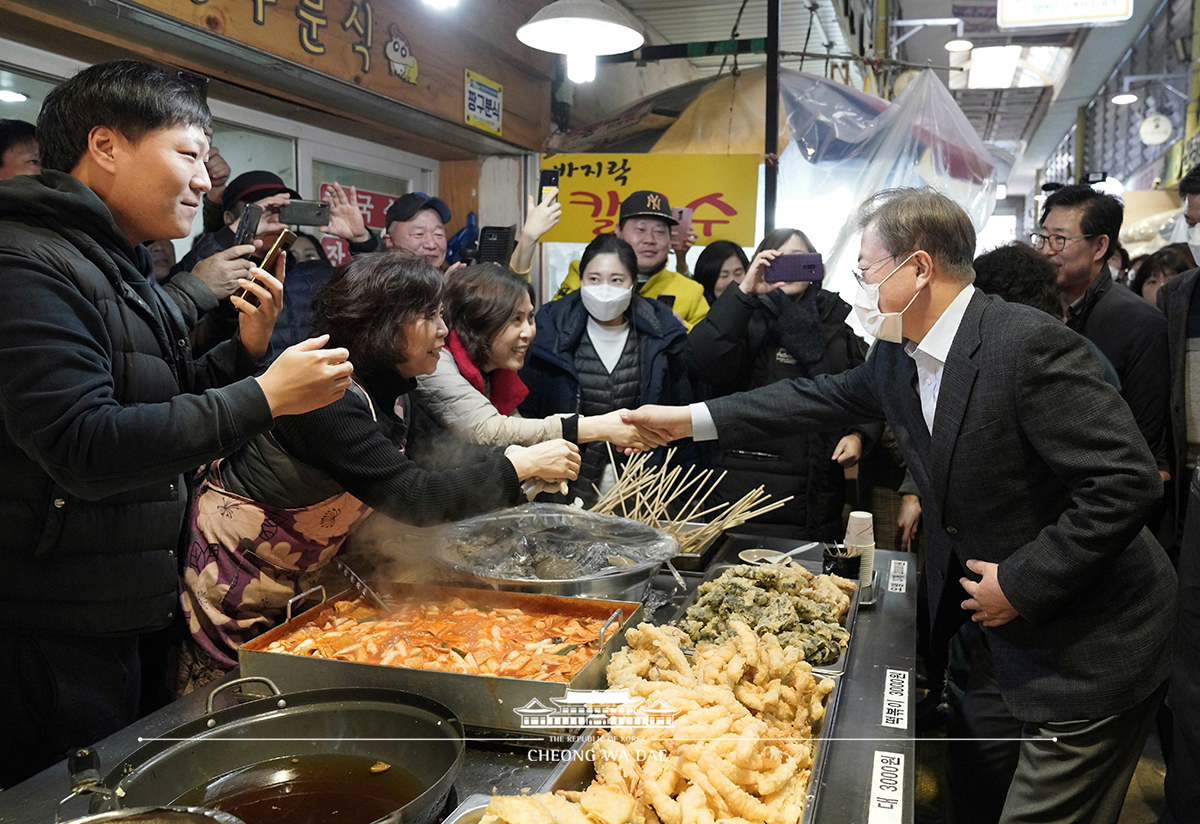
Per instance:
x=791, y=268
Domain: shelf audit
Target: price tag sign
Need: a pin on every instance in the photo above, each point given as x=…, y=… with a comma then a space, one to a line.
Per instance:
x=898, y=577
x=887, y=789
x=895, y=700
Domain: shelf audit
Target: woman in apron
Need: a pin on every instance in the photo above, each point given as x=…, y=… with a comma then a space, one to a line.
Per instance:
x=268, y=517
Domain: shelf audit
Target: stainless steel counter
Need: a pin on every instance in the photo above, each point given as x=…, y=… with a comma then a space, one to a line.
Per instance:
x=869, y=775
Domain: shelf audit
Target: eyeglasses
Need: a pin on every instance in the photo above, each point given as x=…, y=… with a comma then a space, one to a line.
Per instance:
x=1056, y=242
x=859, y=273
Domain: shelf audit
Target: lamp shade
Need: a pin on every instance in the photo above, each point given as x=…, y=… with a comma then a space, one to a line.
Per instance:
x=580, y=27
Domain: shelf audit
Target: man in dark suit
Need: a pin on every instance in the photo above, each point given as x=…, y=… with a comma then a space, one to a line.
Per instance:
x=1034, y=480
x=1179, y=300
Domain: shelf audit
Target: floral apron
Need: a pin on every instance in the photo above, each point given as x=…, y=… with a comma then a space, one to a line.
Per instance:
x=245, y=560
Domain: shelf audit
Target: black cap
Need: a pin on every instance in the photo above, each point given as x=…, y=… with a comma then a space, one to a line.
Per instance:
x=406, y=207
x=252, y=186
x=646, y=204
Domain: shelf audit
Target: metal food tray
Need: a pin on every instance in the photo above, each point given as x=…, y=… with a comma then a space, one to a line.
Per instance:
x=577, y=773
x=837, y=667
x=470, y=811
x=478, y=700
x=698, y=561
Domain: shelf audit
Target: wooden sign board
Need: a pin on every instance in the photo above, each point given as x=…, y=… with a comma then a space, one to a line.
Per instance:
x=402, y=49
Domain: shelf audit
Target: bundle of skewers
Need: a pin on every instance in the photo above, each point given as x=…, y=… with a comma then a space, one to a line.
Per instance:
x=674, y=499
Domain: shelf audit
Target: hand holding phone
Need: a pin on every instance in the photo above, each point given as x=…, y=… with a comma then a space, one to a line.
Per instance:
x=546, y=181
x=792, y=268
x=304, y=213
x=681, y=232
x=282, y=244
x=247, y=226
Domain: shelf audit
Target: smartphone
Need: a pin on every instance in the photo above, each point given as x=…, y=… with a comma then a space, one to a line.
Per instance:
x=248, y=224
x=669, y=300
x=681, y=230
x=791, y=268
x=282, y=244
x=304, y=213
x=547, y=180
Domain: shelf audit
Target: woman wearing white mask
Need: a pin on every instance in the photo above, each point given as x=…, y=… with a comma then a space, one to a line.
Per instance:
x=601, y=348
x=760, y=332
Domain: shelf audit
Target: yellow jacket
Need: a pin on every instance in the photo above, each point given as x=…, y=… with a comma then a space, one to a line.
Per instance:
x=689, y=295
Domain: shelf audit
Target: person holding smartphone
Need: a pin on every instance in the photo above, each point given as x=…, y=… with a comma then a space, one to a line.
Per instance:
x=205, y=278
x=106, y=412
x=758, y=332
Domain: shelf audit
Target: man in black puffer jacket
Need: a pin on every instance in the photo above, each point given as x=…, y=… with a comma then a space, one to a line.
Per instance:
x=105, y=413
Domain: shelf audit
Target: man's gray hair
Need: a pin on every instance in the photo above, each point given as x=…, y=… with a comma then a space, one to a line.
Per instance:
x=906, y=220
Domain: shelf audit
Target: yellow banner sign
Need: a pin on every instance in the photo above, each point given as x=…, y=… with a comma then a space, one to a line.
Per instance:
x=722, y=191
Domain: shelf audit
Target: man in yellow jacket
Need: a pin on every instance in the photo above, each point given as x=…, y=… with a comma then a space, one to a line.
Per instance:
x=645, y=224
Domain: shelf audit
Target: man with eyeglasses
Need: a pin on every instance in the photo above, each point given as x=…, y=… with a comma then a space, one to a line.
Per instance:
x=1035, y=487
x=1078, y=233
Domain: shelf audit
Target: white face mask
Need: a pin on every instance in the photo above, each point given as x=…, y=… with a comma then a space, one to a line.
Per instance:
x=604, y=302
x=888, y=326
x=1193, y=241
x=1179, y=232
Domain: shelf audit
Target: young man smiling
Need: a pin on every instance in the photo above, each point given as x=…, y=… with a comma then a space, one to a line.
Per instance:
x=105, y=413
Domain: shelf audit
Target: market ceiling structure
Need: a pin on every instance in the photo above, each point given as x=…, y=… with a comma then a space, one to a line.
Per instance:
x=1023, y=125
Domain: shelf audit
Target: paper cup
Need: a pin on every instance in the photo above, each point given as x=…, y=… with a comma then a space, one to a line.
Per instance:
x=860, y=530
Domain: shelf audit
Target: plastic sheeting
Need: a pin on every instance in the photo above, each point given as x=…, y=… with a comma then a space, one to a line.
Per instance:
x=847, y=145
x=550, y=542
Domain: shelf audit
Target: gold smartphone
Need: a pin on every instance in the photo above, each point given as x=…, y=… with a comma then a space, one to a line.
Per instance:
x=282, y=243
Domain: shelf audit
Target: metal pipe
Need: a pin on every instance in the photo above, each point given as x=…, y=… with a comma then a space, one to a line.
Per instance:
x=771, y=138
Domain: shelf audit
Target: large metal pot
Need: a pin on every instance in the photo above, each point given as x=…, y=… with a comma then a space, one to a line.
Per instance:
x=300, y=744
x=624, y=555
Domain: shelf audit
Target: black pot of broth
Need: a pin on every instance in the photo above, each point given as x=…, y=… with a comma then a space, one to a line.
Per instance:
x=350, y=755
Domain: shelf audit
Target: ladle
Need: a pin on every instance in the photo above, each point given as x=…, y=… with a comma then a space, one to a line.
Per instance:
x=772, y=556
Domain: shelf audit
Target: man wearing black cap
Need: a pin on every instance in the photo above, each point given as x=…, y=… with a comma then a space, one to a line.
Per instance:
x=216, y=263
x=417, y=221
x=645, y=224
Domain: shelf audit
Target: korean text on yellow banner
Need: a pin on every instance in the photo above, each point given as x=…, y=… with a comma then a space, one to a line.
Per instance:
x=722, y=191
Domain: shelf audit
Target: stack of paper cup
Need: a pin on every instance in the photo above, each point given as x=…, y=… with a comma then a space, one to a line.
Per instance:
x=860, y=536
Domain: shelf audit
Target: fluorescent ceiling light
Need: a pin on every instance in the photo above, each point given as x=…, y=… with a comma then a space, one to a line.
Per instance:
x=441, y=4
x=9, y=96
x=1001, y=191
x=993, y=67
x=1124, y=99
x=580, y=27
x=959, y=45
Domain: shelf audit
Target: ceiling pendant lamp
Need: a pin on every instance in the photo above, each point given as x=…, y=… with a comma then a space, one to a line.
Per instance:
x=581, y=29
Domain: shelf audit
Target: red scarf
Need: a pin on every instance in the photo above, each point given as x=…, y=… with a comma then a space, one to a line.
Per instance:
x=507, y=389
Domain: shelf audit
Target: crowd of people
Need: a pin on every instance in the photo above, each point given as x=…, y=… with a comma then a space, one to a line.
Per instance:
x=188, y=442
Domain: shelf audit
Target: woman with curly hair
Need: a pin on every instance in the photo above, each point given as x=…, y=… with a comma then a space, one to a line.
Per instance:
x=266, y=518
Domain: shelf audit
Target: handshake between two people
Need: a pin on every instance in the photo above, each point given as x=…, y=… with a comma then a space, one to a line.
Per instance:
x=548, y=466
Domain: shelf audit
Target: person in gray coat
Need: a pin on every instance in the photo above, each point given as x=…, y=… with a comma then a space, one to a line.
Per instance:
x=1034, y=517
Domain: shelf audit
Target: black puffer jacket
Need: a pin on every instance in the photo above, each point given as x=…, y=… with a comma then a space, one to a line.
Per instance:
x=100, y=423
x=744, y=343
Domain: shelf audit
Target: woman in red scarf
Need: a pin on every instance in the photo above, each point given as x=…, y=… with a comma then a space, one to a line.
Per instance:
x=475, y=391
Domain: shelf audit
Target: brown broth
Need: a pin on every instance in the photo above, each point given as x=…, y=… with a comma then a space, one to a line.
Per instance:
x=308, y=789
